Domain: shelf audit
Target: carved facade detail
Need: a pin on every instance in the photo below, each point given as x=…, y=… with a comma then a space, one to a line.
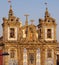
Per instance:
x=29, y=44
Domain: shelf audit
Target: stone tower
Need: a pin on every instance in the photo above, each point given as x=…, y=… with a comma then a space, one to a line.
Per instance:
x=11, y=26
x=47, y=28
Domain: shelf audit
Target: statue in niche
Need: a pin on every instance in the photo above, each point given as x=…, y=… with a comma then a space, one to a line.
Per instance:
x=31, y=58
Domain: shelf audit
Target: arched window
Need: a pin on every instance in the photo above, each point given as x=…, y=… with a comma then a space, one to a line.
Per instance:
x=25, y=57
x=38, y=57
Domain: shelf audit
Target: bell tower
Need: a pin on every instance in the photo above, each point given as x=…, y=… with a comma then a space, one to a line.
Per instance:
x=47, y=28
x=11, y=26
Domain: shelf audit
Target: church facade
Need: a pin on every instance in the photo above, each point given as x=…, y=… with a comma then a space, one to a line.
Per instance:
x=29, y=44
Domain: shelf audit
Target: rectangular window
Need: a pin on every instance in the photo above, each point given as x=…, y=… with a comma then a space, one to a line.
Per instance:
x=39, y=33
x=12, y=53
x=49, y=53
x=49, y=33
x=12, y=33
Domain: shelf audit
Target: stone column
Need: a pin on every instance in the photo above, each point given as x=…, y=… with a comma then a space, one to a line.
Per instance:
x=21, y=56
x=42, y=56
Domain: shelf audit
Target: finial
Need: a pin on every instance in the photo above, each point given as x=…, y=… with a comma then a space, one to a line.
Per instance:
x=46, y=12
x=32, y=21
x=9, y=1
x=46, y=4
x=11, y=7
x=26, y=23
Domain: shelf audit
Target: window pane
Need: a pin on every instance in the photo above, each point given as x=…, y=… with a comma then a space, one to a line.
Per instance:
x=12, y=32
x=49, y=53
x=48, y=33
x=12, y=53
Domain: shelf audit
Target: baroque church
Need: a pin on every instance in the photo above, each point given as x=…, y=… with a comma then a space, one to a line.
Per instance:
x=29, y=44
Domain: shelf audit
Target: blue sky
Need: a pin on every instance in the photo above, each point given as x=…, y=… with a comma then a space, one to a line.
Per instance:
x=35, y=8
